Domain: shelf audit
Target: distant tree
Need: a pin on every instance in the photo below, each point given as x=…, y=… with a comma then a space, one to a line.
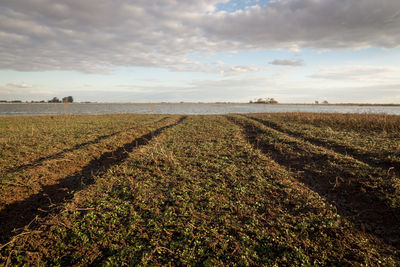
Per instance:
x=271, y=101
x=68, y=99
x=316, y=102
x=54, y=100
x=264, y=101
x=325, y=102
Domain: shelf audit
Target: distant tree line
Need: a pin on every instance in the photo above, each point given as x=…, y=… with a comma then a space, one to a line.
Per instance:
x=264, y=101
x=67, y=99
x=12, y=101
x=323, y=102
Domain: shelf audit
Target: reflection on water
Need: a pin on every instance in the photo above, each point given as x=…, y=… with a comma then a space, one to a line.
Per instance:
x=184, y=108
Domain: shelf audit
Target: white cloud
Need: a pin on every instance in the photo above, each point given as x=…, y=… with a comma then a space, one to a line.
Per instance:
x=98, y=35
x=23, y=89
x=217, y=67
x=369, y=75
x=20, y=85
x=288, y=62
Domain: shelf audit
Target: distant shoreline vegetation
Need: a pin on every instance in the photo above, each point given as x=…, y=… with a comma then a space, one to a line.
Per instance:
x=264, y=101
x=220, y=103
x=67, y=99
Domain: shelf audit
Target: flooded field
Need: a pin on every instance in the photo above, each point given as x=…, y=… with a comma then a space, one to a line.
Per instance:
x=184, y=108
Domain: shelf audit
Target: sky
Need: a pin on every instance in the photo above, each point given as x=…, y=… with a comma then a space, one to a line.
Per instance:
x=296, y=51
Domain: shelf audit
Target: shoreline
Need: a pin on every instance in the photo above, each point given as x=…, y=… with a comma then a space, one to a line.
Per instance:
x=209, y=103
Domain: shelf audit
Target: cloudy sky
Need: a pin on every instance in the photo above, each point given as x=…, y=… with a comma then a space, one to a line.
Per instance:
x=201, y=50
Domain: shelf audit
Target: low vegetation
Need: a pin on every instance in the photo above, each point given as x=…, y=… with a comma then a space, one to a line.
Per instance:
x=264, y=101
x=257, y=189
x=26, y=140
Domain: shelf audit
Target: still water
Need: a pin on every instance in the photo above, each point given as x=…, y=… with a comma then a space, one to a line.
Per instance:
x=184, y=108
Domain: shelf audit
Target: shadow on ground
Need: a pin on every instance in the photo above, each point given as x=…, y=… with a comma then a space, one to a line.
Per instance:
x=373, y=159
x=22, y=213
x=76, y=147
x=364, y=209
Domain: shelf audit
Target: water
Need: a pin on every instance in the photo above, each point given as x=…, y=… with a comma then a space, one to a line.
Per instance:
x=184, y=108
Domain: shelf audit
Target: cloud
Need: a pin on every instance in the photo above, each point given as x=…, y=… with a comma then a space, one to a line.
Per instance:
x=379, y=75
x=288, y=62
x=96, y=36
x=23, y=89
x=326, y=24
x=216, y=67
x=25, y=93
x=20, y=85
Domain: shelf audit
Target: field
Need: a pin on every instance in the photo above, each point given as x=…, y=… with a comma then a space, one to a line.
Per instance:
x=255, y=189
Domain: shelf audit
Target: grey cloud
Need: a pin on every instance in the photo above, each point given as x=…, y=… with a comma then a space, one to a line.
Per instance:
x=99, y=35
x=288, y=62
x=313, y=24
x=95, y=36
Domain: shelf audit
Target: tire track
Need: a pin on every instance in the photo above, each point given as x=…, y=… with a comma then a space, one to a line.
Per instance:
x=48, y=200
x=329, y=174
x=362, y=156
x=58, y=155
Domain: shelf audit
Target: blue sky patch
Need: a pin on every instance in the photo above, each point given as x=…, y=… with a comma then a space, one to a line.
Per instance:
x=235, y=5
